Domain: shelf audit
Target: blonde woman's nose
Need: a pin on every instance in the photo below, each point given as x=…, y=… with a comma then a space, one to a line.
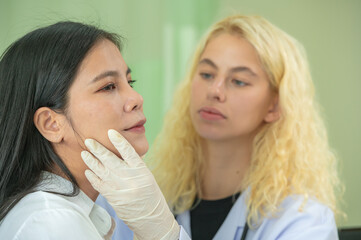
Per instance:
x=217, y=90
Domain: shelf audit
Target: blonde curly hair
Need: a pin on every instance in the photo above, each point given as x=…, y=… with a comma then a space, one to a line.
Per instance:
x=290, y=155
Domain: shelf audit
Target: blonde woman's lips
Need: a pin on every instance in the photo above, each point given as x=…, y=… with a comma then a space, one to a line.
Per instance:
x=211, y=114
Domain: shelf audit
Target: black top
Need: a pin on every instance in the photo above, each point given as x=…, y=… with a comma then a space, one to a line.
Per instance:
x=208, y=216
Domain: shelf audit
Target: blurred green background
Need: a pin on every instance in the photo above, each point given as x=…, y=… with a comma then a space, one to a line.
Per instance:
x=161, y=36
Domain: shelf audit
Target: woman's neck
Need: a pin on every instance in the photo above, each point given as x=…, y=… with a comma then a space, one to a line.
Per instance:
x=226, y=163
x=77, y=167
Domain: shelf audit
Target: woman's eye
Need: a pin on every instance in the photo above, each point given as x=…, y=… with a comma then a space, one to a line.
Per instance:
x=239, y=82
x=206, y=75
x=131, y=82
x=108, y=87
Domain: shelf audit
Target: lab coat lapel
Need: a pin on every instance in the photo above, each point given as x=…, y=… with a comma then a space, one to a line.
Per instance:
x=234, y=223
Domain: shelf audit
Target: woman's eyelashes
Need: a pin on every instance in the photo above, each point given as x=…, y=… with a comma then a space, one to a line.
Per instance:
x=131, y=82
x=111, y=86
x=108, y=87
x=206, y=76
x=239, y=83
x=211, y=76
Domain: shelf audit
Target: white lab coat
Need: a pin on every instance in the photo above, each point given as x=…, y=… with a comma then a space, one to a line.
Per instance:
x=316, y=222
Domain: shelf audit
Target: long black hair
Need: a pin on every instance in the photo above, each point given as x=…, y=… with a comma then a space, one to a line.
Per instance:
x=37, y=71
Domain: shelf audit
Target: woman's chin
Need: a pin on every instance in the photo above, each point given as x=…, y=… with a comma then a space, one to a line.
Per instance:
x=142, y=150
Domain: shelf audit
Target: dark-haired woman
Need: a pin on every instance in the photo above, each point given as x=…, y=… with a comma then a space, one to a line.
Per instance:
x=59, y=85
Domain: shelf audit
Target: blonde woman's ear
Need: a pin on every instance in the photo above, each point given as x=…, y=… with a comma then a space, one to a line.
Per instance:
x=273, y=112
x=49, y=124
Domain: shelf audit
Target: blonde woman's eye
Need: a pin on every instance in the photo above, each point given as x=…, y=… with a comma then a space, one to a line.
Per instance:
x=239, y=82
x=206, y=75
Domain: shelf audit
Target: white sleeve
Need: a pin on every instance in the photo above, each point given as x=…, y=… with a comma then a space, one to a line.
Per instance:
x=57, y=224
x=317, y=224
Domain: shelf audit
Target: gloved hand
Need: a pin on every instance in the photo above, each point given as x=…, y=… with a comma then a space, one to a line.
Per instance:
x=130, y=188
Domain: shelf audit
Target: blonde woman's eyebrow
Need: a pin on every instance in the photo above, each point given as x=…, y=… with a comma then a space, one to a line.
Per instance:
x=245, y=69
x=209, y=62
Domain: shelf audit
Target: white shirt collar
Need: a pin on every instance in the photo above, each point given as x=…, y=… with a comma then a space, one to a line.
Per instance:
x=101, y=219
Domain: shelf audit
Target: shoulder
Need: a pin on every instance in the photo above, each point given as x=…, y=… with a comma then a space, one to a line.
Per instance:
x=42, y=214
x=310, y=210
x=300, y=219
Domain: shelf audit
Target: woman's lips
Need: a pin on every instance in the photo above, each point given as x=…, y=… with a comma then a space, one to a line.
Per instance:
x=211, y=114
x=137, y=128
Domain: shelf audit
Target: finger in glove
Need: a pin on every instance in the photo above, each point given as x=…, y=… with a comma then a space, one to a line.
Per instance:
x=127, y=151
x=94, y=180
x=94, y=164
x=106, y=157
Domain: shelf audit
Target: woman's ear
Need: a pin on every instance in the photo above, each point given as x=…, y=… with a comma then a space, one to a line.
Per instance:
x=50, y=124
x=273, y=111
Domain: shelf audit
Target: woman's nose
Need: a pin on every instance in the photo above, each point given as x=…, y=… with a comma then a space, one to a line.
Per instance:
x=217, y=90
x=133, y=102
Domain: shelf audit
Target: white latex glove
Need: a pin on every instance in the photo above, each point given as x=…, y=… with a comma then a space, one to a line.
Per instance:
x=130, y=188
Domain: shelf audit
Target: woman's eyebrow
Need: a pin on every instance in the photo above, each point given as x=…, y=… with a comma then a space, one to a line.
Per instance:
x=104, y=75
x=209, y=62
x=243, y=69
x=109, y=74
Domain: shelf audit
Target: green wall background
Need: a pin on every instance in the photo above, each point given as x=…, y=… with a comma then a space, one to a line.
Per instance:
x=161, y=36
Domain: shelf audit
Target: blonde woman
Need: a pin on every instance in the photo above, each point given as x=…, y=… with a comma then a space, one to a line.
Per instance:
x=243, y=152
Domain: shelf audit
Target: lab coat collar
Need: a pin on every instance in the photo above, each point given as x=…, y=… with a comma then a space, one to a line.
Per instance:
x=232, y=226
x=235, y=221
